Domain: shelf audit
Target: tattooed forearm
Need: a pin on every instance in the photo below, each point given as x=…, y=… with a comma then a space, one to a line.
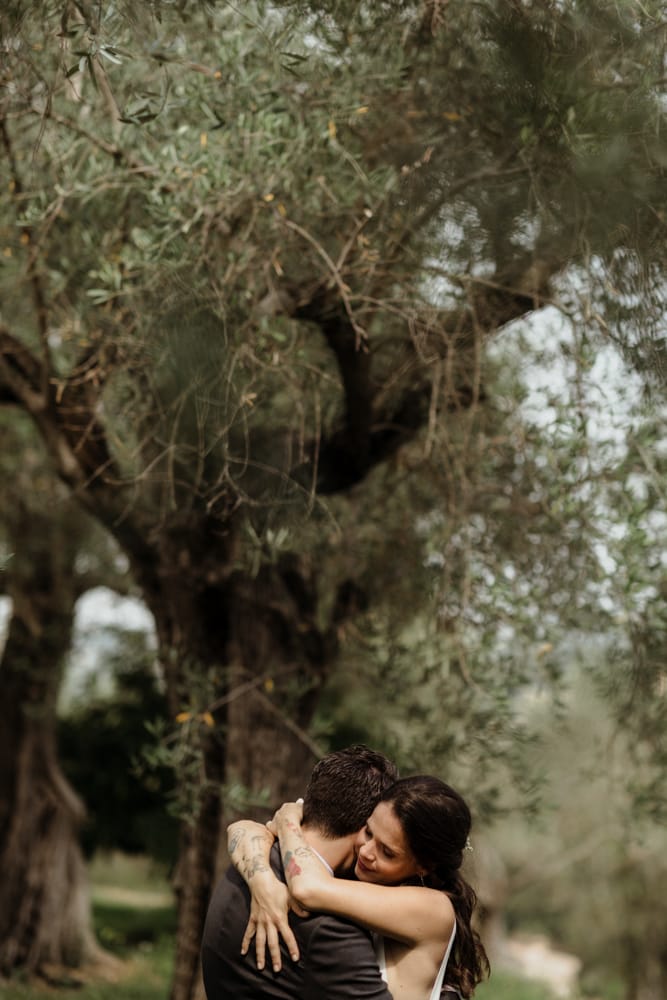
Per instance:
x=249, y=846
x=297, y=857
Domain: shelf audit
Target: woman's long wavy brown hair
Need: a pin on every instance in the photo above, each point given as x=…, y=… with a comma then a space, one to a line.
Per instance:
x=436, y=822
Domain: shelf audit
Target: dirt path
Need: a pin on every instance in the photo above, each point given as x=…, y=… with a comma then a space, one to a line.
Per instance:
x=141, y=898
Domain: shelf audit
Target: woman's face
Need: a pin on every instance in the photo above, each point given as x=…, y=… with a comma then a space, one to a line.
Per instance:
x=383, y=855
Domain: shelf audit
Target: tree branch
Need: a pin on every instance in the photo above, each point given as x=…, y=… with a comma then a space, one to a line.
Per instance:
x=34, y=276
x=351, y=443
x=76, y=440
x=64, y=414
x=376, y=425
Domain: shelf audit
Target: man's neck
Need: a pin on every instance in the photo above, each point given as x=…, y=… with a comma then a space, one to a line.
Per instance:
x=336, y=853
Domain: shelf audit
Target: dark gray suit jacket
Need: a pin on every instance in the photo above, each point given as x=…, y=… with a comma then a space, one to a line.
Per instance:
x=337, y=961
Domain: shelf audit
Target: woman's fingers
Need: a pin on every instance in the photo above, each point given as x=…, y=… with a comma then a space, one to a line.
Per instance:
x=260, y=946
x=249, y=935
x=274, y=948
x=271, y=934
x=269, y=921
x=268, y=935
x=288, y=811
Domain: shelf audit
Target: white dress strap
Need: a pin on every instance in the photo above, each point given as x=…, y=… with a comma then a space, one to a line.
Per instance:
x=440, y=978
x=378, y=945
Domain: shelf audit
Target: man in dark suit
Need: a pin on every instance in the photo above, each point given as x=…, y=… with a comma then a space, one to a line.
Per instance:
x=336, y=957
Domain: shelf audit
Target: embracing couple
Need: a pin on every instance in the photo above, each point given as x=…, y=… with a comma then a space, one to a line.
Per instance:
x=371, y=864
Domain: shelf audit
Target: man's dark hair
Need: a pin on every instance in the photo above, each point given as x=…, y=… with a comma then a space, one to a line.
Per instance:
x=345, y=788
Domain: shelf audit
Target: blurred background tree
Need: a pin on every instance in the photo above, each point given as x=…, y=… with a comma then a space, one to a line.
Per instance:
x=52, y=554
x=590, y=871
x=253, y=262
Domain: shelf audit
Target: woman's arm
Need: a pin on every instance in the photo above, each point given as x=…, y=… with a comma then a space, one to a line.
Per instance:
x=307, y=877
x=249, y=846
x=410, y=914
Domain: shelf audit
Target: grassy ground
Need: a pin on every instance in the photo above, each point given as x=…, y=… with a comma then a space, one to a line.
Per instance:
x=142, y=941
x=502, y=986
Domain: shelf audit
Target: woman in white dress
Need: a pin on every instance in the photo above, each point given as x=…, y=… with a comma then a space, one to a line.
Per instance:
x=409, y=889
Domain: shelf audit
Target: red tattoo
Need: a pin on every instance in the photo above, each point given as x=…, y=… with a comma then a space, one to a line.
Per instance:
x=291, y=866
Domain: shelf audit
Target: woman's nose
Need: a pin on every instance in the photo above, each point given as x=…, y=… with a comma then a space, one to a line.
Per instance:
x=366, y=851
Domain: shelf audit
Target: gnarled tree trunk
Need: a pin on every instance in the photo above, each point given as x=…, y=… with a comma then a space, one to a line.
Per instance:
x=44, y=905
x=257, y=640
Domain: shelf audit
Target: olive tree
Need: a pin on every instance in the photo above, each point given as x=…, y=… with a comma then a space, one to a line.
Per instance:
x=252, y=258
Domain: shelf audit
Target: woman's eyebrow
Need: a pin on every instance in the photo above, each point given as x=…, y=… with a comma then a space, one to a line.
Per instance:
x=382, y=843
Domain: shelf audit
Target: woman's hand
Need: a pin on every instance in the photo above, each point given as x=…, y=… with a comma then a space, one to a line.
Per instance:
x=305, y=872
x=289, y=815
x=269, y=908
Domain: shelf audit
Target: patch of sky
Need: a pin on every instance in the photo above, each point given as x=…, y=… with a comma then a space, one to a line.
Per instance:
x=606, y=561
x=547, y=357
x=655, y=523
x=104, y=607
x=100, y=614
x=425, y=523
x=456, y=228
x=505, y=634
